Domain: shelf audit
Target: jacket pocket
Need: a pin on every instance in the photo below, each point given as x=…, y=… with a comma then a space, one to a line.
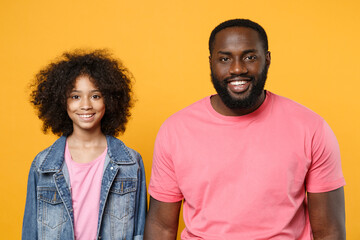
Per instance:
x=121, y=199
x=51, y=210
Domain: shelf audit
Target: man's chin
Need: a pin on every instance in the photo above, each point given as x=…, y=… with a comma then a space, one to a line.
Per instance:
x=239, y=96
x=239, y=101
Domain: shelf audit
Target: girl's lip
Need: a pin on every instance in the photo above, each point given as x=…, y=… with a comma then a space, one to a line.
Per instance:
x=86, y=116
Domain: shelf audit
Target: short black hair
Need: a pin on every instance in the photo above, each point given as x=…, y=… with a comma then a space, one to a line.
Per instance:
x=239, y=23
x=53, y=84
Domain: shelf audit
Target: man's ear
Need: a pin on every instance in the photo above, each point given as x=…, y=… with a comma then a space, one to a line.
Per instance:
x=268, y=59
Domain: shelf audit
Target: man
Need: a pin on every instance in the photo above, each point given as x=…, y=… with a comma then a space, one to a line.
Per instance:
x=247, y=163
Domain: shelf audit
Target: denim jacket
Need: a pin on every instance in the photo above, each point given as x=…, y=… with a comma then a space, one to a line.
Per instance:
x=49, y=211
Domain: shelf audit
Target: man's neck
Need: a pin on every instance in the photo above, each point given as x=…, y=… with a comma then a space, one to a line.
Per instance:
x=219, y=106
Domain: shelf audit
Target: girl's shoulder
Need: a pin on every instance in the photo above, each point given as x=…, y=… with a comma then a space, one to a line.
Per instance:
x=51, y=157
x=119, y=150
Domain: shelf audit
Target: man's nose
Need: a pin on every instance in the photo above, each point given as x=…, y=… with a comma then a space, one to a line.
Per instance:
x=238, y=67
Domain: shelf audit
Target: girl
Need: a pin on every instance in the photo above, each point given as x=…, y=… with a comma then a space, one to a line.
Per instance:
x=88, y=184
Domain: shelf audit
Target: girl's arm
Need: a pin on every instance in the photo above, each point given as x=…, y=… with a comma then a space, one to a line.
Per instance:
x=141, y=202
x=29, y=229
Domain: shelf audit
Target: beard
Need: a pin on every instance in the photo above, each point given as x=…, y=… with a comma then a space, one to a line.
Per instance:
x=249, y=101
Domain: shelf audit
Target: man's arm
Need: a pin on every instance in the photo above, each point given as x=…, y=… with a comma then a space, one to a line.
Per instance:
x=327, y=215
x=162, y=220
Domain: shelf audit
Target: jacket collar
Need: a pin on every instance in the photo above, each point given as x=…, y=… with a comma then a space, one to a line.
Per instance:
x=54, y=159
x=118, y=152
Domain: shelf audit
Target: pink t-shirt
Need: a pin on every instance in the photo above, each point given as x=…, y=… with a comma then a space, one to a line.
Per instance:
x=85, y=181
x=245, y=177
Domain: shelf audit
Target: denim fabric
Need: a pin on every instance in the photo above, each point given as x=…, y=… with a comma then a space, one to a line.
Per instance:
x=48, y=210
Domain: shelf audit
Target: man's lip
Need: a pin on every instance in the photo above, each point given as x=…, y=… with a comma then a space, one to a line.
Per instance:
x=233, y=79
x=238, y=86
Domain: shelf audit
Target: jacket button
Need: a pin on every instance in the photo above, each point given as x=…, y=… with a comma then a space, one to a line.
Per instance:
x=112, y=168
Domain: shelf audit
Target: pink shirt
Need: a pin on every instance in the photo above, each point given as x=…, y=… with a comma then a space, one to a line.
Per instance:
x=85, y=181
x=245, y=177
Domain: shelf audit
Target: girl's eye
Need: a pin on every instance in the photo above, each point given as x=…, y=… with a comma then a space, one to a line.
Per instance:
x=75, y=97
x=96, y=96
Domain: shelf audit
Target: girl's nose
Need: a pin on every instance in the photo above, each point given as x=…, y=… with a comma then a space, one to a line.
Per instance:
x=86, y=104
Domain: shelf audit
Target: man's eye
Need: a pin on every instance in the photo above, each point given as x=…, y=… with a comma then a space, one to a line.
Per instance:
x=251, y=57
x=224, y=59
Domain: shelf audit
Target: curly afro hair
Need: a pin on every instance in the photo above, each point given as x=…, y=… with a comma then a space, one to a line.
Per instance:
x=53, y=83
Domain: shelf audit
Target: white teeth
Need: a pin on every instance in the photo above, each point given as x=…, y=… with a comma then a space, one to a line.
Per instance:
x=235, y=83
x=86, y=115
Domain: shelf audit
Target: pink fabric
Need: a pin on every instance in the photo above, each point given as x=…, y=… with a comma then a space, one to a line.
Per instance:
x=85, y=180
x=245, y=177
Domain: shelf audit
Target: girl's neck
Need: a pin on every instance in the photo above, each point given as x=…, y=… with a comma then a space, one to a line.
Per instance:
x=86, y=139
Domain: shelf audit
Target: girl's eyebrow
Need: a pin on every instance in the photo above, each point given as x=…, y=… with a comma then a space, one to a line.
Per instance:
x=95, y=90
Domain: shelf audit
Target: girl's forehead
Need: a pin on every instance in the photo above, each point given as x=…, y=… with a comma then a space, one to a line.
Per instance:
x=84, y=82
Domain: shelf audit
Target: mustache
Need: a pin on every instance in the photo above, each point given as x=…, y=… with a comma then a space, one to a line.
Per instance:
x=249, y=77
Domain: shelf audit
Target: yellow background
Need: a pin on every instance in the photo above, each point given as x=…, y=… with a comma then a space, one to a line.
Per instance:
x=315, y=61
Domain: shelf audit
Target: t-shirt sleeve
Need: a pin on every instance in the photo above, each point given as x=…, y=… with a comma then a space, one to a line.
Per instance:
x=163, y=182
x=325, y=173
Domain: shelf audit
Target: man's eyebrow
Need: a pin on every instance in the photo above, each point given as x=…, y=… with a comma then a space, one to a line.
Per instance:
x=244, y=52
x=250, y=51
x=224, y=52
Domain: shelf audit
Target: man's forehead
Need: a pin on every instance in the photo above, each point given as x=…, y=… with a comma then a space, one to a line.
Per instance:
x=232, y=36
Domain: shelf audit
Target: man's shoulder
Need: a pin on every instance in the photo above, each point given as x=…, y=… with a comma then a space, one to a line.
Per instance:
x=290, y=104
x=190, y=111
x=290, y=108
